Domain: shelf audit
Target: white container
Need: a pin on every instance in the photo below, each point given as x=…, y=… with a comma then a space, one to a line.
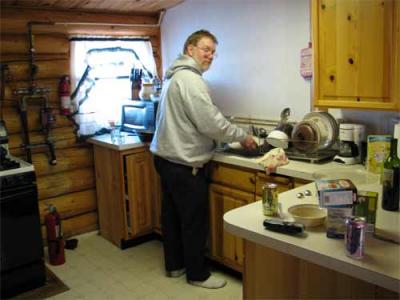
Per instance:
x=346, y=132
x=146, y=91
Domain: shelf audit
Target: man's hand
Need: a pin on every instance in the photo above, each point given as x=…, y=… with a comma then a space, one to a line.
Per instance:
x=249, y=143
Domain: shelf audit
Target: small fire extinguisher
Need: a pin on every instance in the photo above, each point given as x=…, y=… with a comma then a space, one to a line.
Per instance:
x=55, y=241
x=64, y=90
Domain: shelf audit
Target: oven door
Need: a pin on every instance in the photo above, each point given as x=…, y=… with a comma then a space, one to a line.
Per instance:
x=21, y=238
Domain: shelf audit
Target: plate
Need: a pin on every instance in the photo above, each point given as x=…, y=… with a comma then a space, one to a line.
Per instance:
x=306, y=136
x=327, y=125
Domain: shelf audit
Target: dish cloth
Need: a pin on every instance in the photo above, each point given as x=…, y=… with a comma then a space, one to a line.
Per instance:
x=273, y=159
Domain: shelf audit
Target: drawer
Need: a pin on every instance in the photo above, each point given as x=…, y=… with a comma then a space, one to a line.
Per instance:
x=284, y=183
x=300, y=182
x=235, y=177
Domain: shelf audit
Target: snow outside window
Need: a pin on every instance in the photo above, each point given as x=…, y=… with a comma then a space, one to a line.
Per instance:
x=101, y=71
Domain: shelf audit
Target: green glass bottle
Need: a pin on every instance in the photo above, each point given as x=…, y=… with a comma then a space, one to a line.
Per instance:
x=391, y=179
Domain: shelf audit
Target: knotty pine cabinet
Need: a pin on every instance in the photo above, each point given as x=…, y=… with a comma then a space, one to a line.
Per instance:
x=126, y=192
x=356, y=54
x=232, y=187
x=226, y=248
x=271, y=274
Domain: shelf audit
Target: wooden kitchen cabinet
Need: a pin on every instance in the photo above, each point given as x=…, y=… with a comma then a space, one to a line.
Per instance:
x=157, y=200
x=139, y=185
x=299, y=182
x=231, y=176
x=233, y=187
x=125, y=193
x=284, y=183
x=272, y=274
x=356, y=54
x=225, y=247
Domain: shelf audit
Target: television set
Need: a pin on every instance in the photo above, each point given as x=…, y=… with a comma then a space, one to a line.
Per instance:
x=139, y=117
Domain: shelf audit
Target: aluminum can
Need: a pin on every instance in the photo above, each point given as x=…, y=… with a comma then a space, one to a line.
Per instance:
x=354, y=236
x=270, y=199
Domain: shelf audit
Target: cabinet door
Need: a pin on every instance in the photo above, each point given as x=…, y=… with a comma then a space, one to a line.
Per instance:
x=356, y=47
x=110, y=194
x=226, y=247
x=139, y=192
x=157, y=198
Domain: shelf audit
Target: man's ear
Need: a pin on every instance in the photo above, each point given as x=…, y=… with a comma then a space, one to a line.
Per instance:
x=190, y=50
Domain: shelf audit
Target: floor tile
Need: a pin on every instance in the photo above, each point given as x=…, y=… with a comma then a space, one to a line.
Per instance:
x=97, y=269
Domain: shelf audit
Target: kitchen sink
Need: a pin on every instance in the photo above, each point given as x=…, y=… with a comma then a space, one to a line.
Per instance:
x=356, y=176
x=236, y=149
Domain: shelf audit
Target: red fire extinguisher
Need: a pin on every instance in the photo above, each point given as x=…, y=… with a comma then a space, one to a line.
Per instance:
x=64, y=90
x=55, y=241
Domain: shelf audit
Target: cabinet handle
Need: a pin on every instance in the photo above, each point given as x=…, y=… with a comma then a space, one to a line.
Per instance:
x=252, y=180
x=331, y=77
x=351, y=61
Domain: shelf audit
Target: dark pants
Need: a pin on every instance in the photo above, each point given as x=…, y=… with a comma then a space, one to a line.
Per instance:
x=184, y=218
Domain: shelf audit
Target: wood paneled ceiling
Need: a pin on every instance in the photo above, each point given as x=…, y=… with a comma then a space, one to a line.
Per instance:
x=110, y=6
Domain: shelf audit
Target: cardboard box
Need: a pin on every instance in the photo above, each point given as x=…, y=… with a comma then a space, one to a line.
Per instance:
x=335, y=221
x=365, y=206
x=336, y=192
x=378, y=148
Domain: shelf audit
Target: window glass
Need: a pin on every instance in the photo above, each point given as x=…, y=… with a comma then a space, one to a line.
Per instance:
x=101, y=78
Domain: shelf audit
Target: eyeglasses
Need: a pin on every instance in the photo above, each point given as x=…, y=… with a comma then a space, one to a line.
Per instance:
x=208, y=51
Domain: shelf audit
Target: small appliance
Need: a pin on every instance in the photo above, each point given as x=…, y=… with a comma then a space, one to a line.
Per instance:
x=350, y=138
x=139, y=117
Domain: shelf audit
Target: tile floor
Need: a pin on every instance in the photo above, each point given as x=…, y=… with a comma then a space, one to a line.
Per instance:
x=97, y=269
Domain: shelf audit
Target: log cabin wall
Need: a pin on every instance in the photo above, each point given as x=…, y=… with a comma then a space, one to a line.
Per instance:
x=70, y=184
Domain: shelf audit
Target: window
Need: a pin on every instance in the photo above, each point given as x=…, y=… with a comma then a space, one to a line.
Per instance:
x=101, y=78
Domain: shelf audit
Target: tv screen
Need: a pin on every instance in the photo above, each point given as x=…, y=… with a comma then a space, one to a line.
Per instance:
x=139, y=116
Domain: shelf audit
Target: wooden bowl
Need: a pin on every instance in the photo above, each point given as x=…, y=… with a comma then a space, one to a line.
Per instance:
x=310, y=215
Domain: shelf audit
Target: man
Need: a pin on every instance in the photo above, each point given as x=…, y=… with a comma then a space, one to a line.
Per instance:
x=188, y=124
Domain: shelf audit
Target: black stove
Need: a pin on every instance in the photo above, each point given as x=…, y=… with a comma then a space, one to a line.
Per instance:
x=8, y=164
x=22, y=257
x=11, y=165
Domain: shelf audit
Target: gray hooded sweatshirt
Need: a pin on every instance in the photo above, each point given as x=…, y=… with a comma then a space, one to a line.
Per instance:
x=188, y=122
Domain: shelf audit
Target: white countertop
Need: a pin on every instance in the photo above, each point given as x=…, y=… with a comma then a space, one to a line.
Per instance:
x=130, y=142
x=380, y=266
x=297, y=169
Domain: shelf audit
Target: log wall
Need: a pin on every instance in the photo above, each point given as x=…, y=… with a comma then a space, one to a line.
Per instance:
x=69, y=185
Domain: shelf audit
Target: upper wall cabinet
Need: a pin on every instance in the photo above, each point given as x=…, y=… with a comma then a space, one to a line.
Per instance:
x=356, y=54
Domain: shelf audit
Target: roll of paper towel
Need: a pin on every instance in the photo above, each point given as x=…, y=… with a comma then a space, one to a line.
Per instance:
x=396, y=135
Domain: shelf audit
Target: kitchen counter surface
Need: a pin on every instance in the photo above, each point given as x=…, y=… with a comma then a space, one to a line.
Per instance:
x=300, y=169
x=130, y=142
x=297, y=169
x=380, y=266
